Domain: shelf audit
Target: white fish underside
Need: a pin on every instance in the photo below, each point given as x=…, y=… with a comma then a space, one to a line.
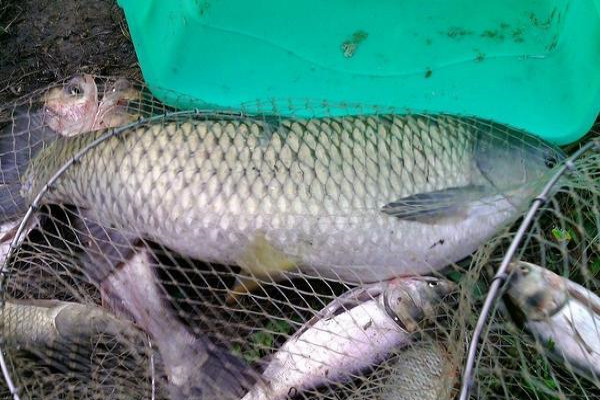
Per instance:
x=361, y=248
x=575, y=334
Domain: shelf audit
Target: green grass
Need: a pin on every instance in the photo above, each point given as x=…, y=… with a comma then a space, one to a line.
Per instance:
x=261, y=343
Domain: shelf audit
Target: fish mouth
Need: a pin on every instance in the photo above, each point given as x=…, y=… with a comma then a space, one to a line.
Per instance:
x=53, y=118
x=452, y=297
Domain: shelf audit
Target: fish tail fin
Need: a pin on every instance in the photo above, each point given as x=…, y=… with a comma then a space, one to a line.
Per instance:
x=20, y=141
x=214, y=373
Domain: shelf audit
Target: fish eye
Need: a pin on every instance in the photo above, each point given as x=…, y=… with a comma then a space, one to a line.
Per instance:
x=73, y=90
x=524, y=269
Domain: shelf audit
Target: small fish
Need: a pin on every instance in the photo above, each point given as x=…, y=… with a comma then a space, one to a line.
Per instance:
x=359, y=199
x=71, y=109
x=351, y=334
x=560, y=314
x=75, y=108
x=113, y=110
x=34, y=323
x=423, y=371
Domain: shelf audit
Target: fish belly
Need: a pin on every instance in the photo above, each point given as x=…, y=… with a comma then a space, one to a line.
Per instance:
x=361, y=248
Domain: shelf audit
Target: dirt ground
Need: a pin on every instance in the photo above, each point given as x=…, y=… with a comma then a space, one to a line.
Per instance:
x=44, y=41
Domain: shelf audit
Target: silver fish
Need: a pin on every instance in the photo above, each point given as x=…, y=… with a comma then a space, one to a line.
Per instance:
x=361, y=199
x=352, y=333
x=562, y=315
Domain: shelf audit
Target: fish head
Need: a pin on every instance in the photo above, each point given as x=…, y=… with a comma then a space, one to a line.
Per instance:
x=113, y=109
x=534, y=291
x=410, y=301
x=512, y=162
x=71, y=108
x=120, y=90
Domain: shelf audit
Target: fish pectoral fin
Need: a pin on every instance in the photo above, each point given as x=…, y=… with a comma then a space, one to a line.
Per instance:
x=435, y=207
x=260, y=261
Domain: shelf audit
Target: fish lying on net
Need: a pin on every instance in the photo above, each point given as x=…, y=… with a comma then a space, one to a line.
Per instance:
x=44, y=322
x=356, y=199
x=560, y=313
x=422, y=371
x=353, y=333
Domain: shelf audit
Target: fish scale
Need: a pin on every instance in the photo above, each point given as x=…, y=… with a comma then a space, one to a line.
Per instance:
x=201, y=185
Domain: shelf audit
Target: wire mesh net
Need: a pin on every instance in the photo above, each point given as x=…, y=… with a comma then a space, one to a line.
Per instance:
x=218, y=254
x=542, y=340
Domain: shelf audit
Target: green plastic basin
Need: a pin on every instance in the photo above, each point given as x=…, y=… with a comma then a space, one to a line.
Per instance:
x=531, y=64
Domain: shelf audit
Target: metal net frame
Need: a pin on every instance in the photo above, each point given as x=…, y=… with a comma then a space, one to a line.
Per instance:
x=299, y=295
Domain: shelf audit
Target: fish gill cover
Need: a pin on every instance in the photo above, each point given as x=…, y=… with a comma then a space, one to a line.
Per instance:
x=200, y=254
